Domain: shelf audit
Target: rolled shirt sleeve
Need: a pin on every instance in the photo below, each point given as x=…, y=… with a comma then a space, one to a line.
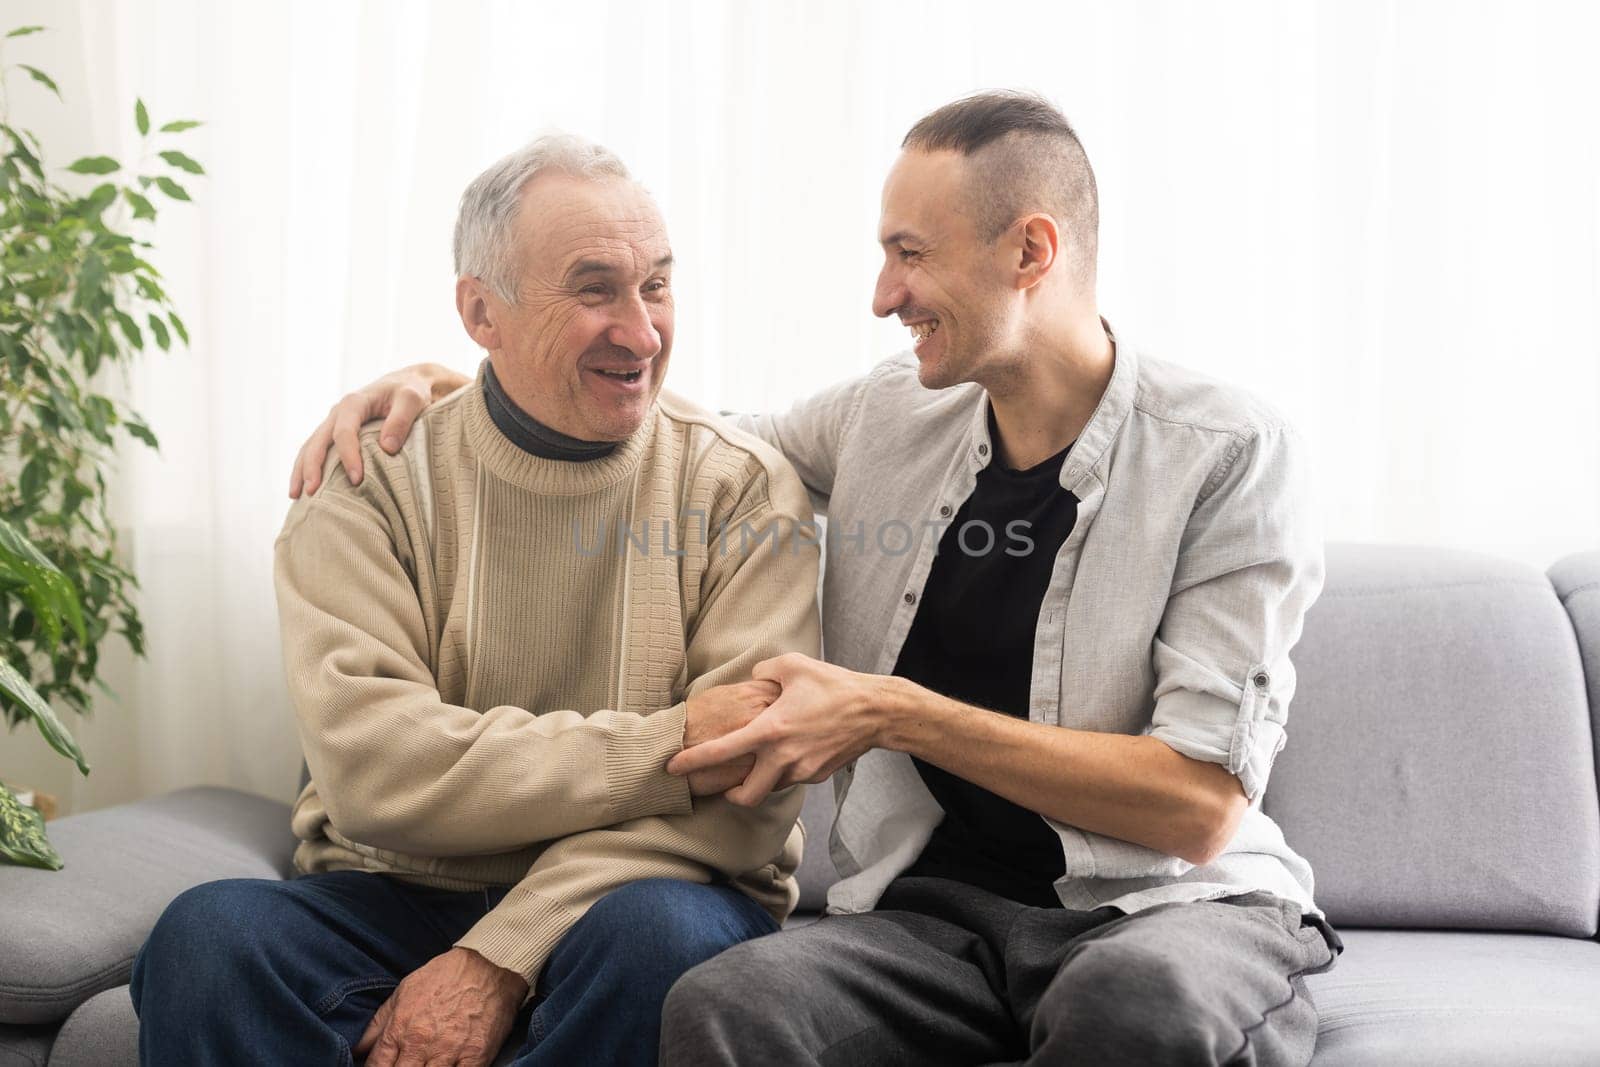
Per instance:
x=1250, y=565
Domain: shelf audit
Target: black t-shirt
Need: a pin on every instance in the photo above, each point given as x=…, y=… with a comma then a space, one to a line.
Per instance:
x=972, y=640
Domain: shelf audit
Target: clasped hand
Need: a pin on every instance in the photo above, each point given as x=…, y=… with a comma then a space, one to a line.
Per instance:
x=802, y=719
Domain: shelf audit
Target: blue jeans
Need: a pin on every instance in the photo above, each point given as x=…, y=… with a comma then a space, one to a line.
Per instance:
x=253, y=971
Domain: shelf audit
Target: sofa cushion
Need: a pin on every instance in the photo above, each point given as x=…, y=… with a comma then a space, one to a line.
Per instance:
x=1395, y=997
x=71, y=933
x=1439, y=769
x=103, y=1031
x=1437, y=999
x=26, y=1046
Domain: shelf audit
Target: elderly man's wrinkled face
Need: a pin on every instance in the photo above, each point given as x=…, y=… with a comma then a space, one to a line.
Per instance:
x=584, y=348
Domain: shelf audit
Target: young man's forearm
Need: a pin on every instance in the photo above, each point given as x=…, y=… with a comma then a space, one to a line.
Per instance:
x=1134, y=788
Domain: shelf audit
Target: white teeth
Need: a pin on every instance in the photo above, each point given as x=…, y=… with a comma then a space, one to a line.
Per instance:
x=921, y=331
x=622, y=375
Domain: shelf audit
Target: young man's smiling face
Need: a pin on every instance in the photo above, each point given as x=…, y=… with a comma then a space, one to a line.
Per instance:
x=584, y=347
x=946, y=281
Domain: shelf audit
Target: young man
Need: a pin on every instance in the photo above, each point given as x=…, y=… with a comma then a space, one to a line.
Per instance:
x=491, y=667
x=1053, y=721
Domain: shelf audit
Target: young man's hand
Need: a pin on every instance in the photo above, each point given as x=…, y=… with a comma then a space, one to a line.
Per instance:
x=397, y=398
x=714, y=713
x=824, y=717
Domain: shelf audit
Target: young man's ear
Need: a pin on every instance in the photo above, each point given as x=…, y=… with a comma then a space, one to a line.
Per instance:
x=1038, y=248
x=477, y=313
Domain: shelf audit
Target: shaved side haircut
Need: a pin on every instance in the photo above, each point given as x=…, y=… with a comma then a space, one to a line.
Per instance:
x=1023, y=157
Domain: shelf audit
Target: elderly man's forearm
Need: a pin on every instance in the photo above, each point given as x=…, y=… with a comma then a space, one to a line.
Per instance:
x=513, y=780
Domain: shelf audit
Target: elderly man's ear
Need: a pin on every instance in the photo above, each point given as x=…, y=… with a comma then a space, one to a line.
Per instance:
x=477, y=313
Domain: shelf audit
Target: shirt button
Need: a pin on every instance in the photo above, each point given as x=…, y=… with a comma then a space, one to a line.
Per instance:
x=911, y=598
x=983, y=450
x=1261, y=681
x=944, y=511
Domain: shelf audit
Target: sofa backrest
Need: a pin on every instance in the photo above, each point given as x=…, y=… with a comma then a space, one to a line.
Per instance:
x=1440, y=768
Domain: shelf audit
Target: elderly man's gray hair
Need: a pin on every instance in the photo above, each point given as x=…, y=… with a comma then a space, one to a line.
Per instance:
x=485, y=243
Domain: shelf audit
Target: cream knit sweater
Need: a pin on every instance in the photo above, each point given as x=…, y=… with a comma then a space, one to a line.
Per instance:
x=489, y=652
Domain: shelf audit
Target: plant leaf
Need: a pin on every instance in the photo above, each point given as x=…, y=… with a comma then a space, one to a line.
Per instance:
x=100, y=198
x=149, y=289
x=177, y=324
x=139, y=429
x=163, y=338
x=130, y=329
x=23, y=31
x=42, y=78
x=20, y=151
x=141, y=117
x=31, y=483
x=172, y=188
x=95, y=165
x=46, y=590
x=17, y=689
x=183, y=162
x=180, y=125
x=22, y=837
x=142, y=207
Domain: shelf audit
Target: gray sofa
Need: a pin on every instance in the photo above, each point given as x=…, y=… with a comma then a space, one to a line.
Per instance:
x=1440, y=777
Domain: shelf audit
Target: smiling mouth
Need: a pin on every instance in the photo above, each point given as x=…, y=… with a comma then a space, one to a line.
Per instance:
x=921, y=331
x=622, y=375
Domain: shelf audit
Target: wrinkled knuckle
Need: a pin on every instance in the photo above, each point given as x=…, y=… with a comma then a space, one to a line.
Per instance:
x=416, y=1034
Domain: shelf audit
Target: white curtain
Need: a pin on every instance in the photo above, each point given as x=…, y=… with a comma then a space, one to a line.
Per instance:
x=1385, y=217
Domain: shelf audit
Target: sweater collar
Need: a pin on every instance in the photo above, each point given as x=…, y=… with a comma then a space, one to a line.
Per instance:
x=531, y=435
x=508, y=459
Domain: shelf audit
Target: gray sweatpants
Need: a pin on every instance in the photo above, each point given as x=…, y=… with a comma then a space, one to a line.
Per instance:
x=947, y=973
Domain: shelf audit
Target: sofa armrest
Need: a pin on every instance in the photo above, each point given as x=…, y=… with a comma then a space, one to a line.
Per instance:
x=66, y=935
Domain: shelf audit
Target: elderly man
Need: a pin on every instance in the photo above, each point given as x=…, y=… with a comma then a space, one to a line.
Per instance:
x=489, y=685
x=1053, y=722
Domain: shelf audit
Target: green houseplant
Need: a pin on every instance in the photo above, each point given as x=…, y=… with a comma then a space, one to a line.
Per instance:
x=77, y=301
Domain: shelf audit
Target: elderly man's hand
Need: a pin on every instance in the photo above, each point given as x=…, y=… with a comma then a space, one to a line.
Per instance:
x=457, y=1008
x=714, y=713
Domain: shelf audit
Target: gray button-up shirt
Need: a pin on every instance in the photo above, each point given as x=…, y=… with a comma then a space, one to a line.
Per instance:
x=1171, y=609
